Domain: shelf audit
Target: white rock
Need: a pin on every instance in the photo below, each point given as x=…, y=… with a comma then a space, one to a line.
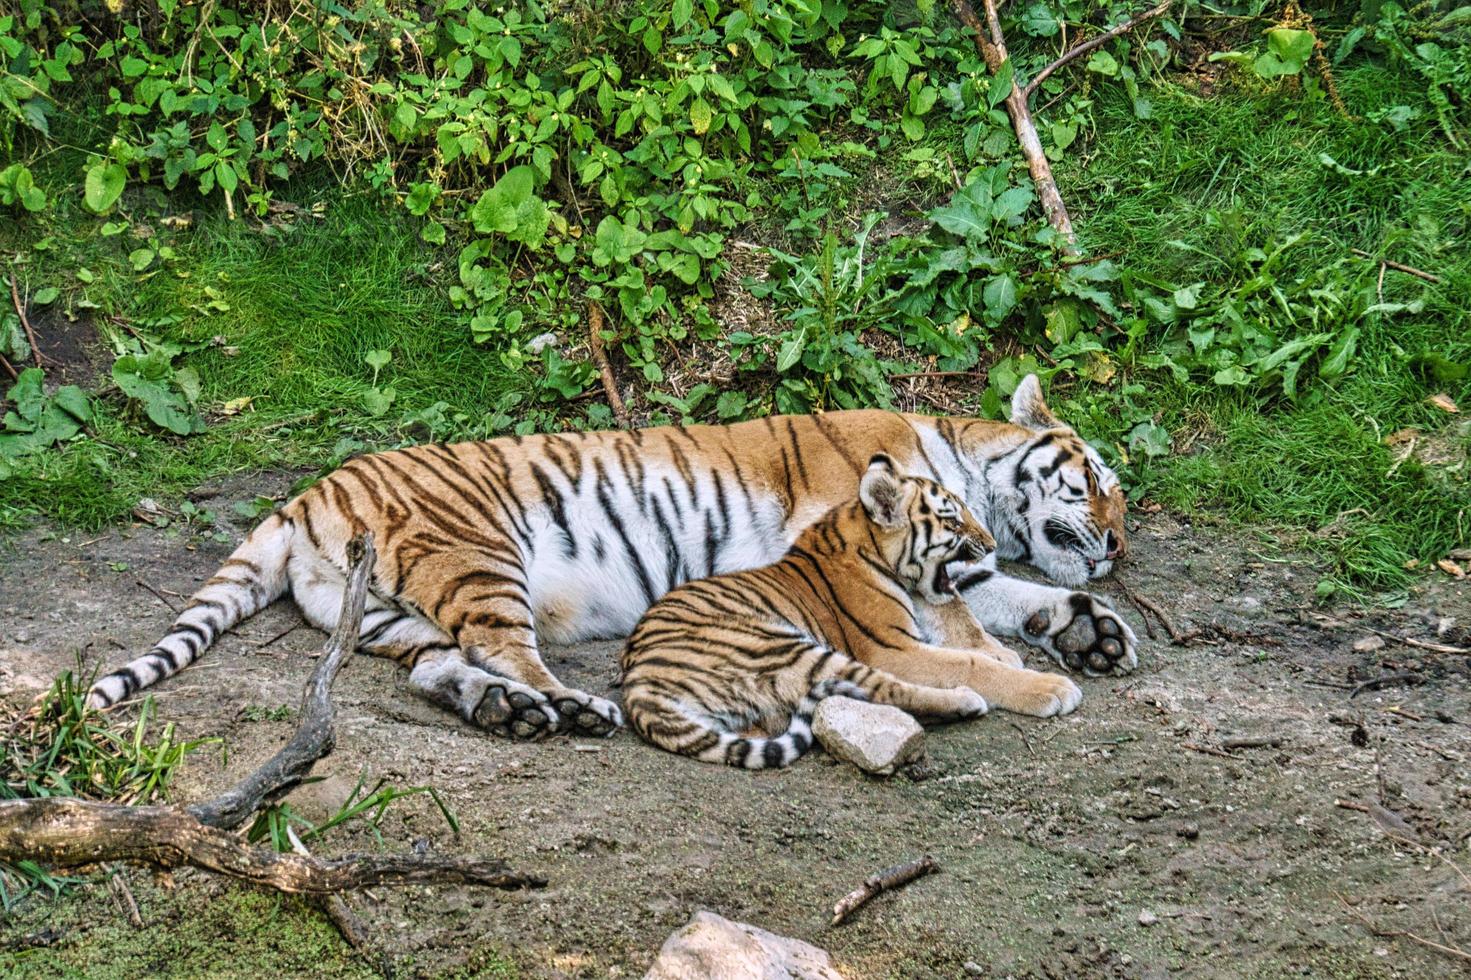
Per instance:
x=1147, y=918
x=540, y=343
x=711, y=947
x=1368, y=644
x=877, y=738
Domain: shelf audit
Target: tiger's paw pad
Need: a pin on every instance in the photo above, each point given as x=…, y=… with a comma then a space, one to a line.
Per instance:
x=584, y=714
x=512, y=710
x=1084, y=634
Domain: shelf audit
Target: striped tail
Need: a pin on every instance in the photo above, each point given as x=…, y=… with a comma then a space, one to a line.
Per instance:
x=784, y=749
x=250, y=579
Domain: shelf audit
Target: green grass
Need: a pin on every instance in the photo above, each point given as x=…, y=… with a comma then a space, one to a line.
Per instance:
x=1177, y=197
x=304, y=308
x=1180, y=195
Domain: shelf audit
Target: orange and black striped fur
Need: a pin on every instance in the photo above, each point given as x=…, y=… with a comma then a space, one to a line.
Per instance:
x=857, y=606
x=487, y=548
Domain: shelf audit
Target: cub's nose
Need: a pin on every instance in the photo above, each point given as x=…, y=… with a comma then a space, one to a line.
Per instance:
x=1114, y=547
x=977, y=548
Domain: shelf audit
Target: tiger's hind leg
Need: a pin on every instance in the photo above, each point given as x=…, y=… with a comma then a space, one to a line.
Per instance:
x=484, y=607
x=439, y=670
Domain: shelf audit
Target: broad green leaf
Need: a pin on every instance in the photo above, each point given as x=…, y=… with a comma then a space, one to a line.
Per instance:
x=103, y=185
x=791, y=351
x=969, y=212
x=1000, y=84
x=378, y=359
x=46, y=296
x=1104, y=64
x=999, y=297
x=1011, y=204
x=700, y=116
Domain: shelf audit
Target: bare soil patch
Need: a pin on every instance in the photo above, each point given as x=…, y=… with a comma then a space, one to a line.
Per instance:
x=1125, y=840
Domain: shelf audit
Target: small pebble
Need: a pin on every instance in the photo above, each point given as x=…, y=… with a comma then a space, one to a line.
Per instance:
x=1147, y=918
x=1368, y=644
x=973, y=969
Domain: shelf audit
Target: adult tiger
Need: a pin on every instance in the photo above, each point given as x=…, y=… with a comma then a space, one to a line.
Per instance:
x=484, y=547
x=862, y=604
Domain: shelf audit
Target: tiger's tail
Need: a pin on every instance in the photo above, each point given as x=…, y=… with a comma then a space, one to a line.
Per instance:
x=711, y=743
x=249, y=580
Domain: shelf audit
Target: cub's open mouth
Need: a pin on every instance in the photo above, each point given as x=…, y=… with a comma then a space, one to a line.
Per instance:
x=943, y=582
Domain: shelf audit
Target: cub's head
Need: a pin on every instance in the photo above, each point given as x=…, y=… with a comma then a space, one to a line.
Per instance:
x=1059, y=507
x=926, y=526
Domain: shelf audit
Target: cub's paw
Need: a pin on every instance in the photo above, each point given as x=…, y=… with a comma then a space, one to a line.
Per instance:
x=1002, y=654
x=1044, y=695
x=513, y=710
x=969, y=704
x=584, y=714
x=1083, y=633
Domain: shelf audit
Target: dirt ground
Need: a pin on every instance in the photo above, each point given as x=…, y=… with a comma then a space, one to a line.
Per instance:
x=1122, y=841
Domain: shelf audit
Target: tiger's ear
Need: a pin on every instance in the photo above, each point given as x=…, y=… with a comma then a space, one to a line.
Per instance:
x=878, y=491
x=1029, y=410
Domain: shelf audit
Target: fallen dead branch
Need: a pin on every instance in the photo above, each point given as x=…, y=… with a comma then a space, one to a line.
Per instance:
x=1420, y=273
x=1397, y=933
x=605, y=367
x=886, y=880
x=1408, y=641
x=71, y=832
x=1209, y=750
x=992, y=45
x=1405, y=677
x=1146, y=605
x=1253, y=742
x=1081, y=49
x=25, y=321
x=124, y=896
x=9, y=368
x=67, y=832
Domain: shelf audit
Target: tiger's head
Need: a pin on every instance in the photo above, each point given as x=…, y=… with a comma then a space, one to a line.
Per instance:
x=923, y=527
x=1057, y=505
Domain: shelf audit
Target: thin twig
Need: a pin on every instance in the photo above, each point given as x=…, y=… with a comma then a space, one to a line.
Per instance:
x=124, y=895
x=887, y=880
x=174, y=607
x=1208, y=750
x=1421, y=273
x=1252, y=742
x=1385, y=680
x=1405, y=640
x=1396, y=933
x=9, y=368
x=25, y=321
x=1148, y=605
x=937, y=374
x=1025, y=741
x=605, y=367
x=1082, y=49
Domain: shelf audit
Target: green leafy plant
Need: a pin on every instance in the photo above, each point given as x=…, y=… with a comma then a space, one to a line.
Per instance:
x=36, y=420
x=167, y=395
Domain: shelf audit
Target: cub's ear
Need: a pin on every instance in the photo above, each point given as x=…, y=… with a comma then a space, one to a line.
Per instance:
x=879, y=492
x=1029, y=410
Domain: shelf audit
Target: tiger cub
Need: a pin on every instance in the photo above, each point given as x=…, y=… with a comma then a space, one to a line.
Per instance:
x=850, y=609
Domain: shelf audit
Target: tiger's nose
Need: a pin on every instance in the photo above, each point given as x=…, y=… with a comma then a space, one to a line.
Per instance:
x=978, y=548
x=1113, y=545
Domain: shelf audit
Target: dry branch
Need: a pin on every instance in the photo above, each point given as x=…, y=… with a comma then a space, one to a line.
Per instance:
x=25, y=321
x=66, y=832
x=886, y=880
x=1395, y=637
x=992, y=45
x=10, y=370
x=314, y=736
x=70, y=832
x=605, y=367
x=1421, y=273
x=1079, y=50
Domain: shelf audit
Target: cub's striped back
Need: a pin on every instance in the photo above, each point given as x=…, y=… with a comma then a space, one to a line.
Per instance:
x=759, y=649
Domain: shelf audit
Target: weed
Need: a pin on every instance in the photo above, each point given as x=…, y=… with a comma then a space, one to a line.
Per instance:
x=278, y=821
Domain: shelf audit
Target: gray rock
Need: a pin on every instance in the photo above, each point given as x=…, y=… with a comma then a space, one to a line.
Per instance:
x=1147, y=918
x=712, y=947
x=877, y=738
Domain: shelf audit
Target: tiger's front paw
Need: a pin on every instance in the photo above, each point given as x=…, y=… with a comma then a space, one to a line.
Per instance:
x=1042, y=695
x=584, y=714
x=1082, y=632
